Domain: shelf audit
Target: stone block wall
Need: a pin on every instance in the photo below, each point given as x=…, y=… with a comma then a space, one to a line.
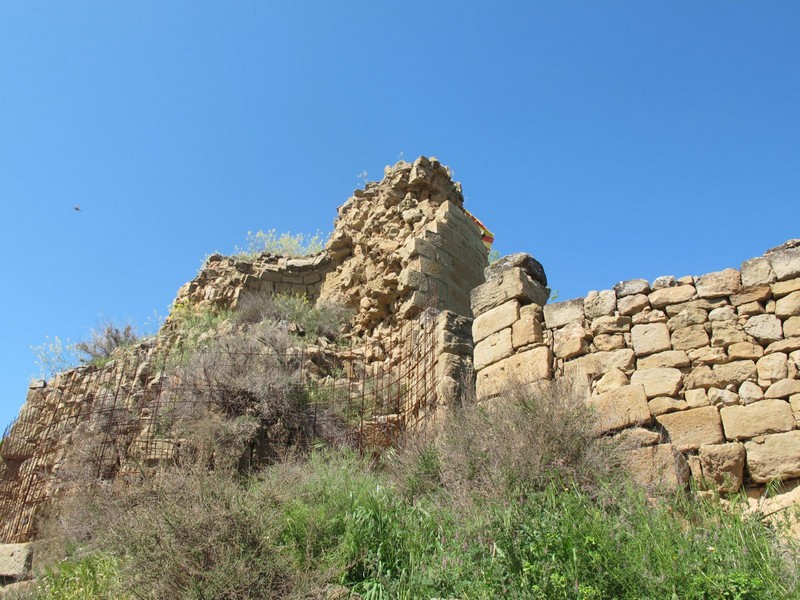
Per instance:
x=709, y=364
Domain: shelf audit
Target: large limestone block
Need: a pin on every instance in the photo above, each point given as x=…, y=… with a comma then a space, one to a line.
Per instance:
x=735, y=372
x=15, y=560
x=772, y=368
x=668, y=358
x=721, y=283
x=745, y=350
x=658, y=468
x=620, y=408
x=725, y=333
x=559, y=314
x=494, y=348
x=630, y=305
x=570, y=341
x=525, y=367
x=785, y=260
x=788, y=306
x=607, y=342
x=632, y=287
x=513, y=284
x=689, y=338
x=749, y=392
x=701, y=376
x=783, y=389
x=784, y=288
x=759, y=418
x=671, y=295
x=690, y=429
x=532, y=267
x=757, y=271
x=724, y=465
x=494, y=320
x=686, y=318
x=608, y=324
x=599, y=304
x=790, y=344
x=658, y=382
x=650, y=338
x=706, y=304
x=663, y=405
x=759, y=293
x=774, y=456
x=791, y=327
x=600, y=363
x=612, y=380
x=528, y=330
x=765, y=328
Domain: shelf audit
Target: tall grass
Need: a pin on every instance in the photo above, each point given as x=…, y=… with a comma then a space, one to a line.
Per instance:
x=494, y=505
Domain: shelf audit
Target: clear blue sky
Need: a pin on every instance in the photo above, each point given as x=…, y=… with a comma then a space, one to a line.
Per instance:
x=610, y=140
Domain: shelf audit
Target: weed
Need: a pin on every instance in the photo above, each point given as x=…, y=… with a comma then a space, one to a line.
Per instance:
x=284, y=244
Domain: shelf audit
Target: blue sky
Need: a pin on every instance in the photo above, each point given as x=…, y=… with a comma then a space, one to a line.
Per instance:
x=610, y=140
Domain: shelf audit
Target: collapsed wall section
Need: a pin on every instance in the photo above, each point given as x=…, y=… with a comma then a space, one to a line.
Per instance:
x=702, y=372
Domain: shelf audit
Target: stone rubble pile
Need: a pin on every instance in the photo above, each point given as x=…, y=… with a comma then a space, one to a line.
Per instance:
x=702, y=372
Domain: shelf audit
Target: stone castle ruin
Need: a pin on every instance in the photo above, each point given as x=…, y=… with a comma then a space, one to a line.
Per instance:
x=699, y=376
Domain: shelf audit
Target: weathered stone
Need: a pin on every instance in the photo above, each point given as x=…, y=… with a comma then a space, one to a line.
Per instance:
x=512, y=284
x=701, y=377
x=668, y=358
x=630, y=305
x=570, y=341
x=689, y=338
x=611, y=325
x=759, y=293
x=759, y=418
x=785, y=260
x=608, y=343
x=620, y=408
x=665, y=281
x=723, y=313
x=749, y=392
x=529, y=265
x=725, y=333
x=791, y=327
x=772, y=368
x=736, y=372
x=15, y=560
x=765, y=328
x=794, y=401
x=599, y=363
x=559, y=314
x=658, y=382
x=774, y=457
x=750, y=309
x=637, y=437
x=745, y=350
x=494, y=320
x=663, y=405
x=657, y=468
x=671, y=295
x=632, y=287
x=696, y=398
x=649, y=316
x=706, y=304
x=525, y=367
x=687, y=317
x=612, y=380
x=649, y=339
x=784, y=288
x=599, y=304
x=708, y=356
x=494, y=348
x=724, y=465
x=721, y=283
x=718, y=397
x=528, y=330
x=783, y=388
x=788, y=306
x=757, y=271
x=690, y=429
x=787, y=345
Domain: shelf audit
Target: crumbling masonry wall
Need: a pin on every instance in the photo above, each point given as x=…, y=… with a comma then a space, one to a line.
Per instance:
x=698, y=374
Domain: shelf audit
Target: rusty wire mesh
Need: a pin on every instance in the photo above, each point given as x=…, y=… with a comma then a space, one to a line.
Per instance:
x=127, y=417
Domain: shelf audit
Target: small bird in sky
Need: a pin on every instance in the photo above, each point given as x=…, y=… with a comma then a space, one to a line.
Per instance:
x=77, y=207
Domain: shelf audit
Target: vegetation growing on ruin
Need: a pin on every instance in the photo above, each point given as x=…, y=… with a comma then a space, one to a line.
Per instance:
x=493, y=506
x=290, y=245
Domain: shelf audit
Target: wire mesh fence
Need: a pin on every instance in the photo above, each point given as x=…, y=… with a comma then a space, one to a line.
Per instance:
x=139, y=412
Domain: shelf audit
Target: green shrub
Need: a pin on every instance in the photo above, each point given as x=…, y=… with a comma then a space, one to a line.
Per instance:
x=284, y=244
x=93, y=577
